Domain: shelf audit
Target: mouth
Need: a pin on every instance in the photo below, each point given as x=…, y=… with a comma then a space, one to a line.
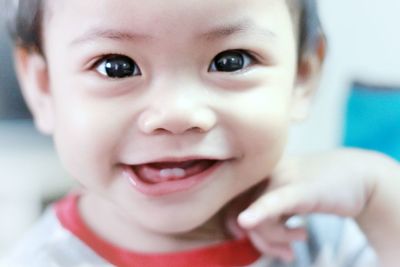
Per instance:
x=162, y=178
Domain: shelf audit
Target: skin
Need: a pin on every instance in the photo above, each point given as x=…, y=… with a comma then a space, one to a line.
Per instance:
x=175, y=108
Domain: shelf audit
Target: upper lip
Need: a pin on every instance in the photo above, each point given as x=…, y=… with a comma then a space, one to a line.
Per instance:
x=180, y=159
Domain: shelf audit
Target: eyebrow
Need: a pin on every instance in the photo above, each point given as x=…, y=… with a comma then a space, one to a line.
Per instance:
x=110, y=34
x=218, y=32
x=244, y=26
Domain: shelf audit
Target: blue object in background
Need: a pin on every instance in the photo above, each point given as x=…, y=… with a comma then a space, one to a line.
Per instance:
x=373, y=119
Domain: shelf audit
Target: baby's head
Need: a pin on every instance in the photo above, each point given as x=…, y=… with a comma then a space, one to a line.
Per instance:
x=167, y=109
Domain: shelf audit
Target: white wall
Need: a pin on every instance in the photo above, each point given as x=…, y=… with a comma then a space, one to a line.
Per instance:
x=364, y=44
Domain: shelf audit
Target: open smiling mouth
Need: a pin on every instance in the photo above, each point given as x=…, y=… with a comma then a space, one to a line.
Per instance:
x=162, y=178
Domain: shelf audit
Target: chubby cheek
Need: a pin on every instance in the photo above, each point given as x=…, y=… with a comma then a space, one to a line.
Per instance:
x=260, y=130
x=260, y=123
x=86, y=138
x=264, y=146
x=266, y=140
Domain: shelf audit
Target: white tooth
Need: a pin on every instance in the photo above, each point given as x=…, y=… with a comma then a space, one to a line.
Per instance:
x=172, y=173
x=165, y=173
x=178, y=172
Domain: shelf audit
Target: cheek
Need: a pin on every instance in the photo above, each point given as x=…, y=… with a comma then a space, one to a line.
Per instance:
x=86, y=137
x=260, y=128
x=267, y=136
x=261, y=118
x=264, y=144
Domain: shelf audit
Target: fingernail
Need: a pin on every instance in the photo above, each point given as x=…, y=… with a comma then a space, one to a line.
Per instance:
x=248, y=217
x=296, y=222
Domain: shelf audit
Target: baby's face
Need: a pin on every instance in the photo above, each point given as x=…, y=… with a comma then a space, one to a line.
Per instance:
x=169, y=109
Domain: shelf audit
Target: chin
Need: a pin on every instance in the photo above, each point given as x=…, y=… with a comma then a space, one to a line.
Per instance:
x=177, y=223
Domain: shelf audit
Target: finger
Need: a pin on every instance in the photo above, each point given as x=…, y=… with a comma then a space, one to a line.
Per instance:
x=279, y=233
x=289, y=235
x=277, y=204
x=282, y=251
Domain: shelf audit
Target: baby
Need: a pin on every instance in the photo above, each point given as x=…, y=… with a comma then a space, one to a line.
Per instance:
x=173, y=117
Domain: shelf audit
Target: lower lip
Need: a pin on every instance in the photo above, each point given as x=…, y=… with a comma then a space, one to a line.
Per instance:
x=169, y=187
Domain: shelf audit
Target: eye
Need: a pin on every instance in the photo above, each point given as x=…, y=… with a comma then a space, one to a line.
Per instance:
x=117, y=67
x=231, y=61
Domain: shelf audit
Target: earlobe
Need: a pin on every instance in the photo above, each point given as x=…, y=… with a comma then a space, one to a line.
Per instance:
x=32, y=72
x=308, y=77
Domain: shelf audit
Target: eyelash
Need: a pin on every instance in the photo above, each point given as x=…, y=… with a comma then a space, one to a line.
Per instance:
x=248, y=59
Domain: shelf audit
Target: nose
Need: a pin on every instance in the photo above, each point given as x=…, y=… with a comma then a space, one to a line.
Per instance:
x=177, y=115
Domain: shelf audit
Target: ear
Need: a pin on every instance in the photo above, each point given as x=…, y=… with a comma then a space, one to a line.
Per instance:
x=308, y=77
x=32, y=72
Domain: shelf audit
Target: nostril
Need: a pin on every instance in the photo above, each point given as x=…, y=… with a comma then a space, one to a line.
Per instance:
x=176, y=121
x=160, y=131
x=197, y=129
x=176, y=131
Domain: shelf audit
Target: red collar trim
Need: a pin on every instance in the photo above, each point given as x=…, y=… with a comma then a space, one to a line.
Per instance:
x=230, y=253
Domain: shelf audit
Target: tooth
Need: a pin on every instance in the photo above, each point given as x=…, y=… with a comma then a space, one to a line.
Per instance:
x=165, y=173
x=172, y=173
x=178, y=172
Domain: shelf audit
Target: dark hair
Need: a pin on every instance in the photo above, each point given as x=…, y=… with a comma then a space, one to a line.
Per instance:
x=25, y=23
x=309, y=25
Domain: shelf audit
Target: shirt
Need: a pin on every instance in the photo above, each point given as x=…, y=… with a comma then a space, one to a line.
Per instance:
x=62, y=239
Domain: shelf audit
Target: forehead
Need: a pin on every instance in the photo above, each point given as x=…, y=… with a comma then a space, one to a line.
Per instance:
x=157, y=17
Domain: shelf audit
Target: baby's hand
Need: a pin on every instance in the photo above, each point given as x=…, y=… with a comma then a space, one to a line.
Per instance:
x=337, y=182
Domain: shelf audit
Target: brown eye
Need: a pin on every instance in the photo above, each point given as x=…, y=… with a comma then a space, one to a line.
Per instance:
x=118, y=67
x=230, y=61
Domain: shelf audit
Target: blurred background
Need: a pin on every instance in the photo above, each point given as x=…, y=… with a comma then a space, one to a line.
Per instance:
x=357, y=105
